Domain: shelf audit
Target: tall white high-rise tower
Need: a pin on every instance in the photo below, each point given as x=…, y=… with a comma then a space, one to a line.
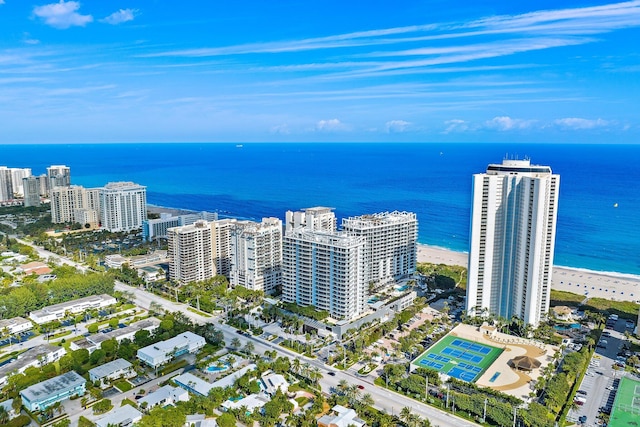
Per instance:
x=123, y=206
x=513, y=228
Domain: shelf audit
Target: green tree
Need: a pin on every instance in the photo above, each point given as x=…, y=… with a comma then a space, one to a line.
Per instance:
x=163, y=417
x=97, y=357
x=102, y=406
x=226, y=420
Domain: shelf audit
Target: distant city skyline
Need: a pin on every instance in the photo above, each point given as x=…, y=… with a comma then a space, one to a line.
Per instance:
x=253, y=71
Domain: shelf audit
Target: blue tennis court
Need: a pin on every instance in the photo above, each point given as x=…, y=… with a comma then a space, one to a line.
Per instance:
x=461, y=374
x=434, y=365
x=467, y=345
x=459, y=358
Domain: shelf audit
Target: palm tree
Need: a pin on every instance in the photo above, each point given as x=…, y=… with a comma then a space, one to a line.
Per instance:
x=4, y=416
x=416, y=421
x=249, y=347
x=342, y=385
x=367, y=400
x=405, y=414
x=235, y=343
x=315, y=375
x=304, y=370
x=353, y=393
x=296, y=365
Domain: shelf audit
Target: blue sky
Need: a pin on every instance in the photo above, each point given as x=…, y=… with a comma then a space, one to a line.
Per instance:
x=159, y=71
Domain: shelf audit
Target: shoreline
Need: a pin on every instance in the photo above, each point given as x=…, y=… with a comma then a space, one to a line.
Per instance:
x=590, y=283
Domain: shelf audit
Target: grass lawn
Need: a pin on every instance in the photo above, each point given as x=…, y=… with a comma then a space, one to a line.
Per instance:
x=59, y=335
x=123, y=385
x=565, y=298
x=624, y=309
x=200, y=312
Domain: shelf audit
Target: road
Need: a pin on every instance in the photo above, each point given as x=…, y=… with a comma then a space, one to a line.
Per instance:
x=385, y=400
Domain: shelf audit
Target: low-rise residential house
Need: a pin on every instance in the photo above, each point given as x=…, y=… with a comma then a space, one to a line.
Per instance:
x=123, y=416
x=251, y=402
x=8, y=407
x=341, y=417
x=193, y=384
x=15, y=325
x=47, y=393
x=273, y=382
x=59, y=311
x=35, y=356
x=93, y=342
x=110, y=371
x=151, y=274
x=36, y=267
x=199, y=420
x=165, y=395
x=162, y=352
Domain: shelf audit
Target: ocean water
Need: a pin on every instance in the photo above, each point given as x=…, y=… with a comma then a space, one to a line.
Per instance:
x=433, y=180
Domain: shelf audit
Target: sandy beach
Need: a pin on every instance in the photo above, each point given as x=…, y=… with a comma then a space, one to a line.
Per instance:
x=592, y=284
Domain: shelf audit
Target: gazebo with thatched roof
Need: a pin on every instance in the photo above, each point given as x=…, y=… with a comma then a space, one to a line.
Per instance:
x=525, y=363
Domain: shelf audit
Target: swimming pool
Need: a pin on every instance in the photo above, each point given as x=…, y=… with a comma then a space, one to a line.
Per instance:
x=216, y=368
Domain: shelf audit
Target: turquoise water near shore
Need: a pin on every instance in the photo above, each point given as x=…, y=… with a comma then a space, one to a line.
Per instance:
x=433, y=180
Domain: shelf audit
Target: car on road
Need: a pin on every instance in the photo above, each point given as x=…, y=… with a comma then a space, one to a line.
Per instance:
x=360, y=386
x=610, y=387
x=582, y=392
x=333, y=374
x=583, y=419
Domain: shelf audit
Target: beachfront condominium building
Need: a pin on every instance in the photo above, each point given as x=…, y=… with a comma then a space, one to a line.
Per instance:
x=391, y=244
x=157, y=228
x=513, y=228
x=325, y=270
x=31, y=189
x=221, y=244
x=313, y=219
x=59, y=176
x=191, y=258
x=123, y=206
x=72, y=200
x=17, y=174
x=6, y=188
x=256, y=255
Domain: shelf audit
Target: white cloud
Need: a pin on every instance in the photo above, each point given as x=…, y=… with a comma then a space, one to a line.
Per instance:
x=576, y=123
x=331, y=125
x=396, y=126
x=282, y=129
x=505, y=123
x=456, y=125
x=123, y=15
x=62, y=15
x=1, y=1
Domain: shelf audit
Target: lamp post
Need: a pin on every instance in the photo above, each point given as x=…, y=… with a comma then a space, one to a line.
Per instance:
x=484, y=413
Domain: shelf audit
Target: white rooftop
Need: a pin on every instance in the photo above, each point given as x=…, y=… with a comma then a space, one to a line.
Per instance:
x=124, y=415
x=109, y=368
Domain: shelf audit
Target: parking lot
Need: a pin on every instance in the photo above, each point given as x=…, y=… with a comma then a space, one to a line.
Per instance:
x=17, y=338
x=600, y=383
